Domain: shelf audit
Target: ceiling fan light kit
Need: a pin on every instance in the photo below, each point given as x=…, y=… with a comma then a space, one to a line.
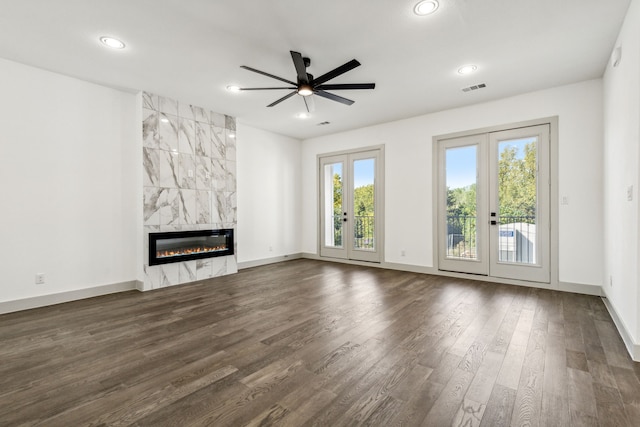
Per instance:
x=306, y=85
x=305, y=90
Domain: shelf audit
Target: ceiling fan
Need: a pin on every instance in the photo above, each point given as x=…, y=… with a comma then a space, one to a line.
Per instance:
x=306, y=85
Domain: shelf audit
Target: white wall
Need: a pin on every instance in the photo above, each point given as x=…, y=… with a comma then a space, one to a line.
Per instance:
x=621, y=164
x=70, y=174
x=269, y=202
x=408, y=174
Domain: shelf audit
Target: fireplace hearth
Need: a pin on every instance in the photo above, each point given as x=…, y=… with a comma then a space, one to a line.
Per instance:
x=176, y=246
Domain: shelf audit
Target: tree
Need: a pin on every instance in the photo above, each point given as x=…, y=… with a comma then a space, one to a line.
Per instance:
x=364, y=211
x=517, y=183
x=337, y=209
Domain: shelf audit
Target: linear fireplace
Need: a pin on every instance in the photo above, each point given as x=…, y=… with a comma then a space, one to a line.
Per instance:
x=176, y=246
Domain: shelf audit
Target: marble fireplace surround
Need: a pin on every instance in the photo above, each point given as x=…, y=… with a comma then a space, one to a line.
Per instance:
x=189, y=183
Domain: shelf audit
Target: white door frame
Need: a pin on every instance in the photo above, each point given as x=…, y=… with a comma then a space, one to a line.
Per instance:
x=348, y=252
x=553, y=188
x=540, y=271
x=480, y=265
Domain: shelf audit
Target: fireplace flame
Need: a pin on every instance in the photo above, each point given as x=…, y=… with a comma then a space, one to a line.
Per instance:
x=189, y=251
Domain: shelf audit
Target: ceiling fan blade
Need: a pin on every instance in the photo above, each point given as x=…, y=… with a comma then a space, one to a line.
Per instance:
x=267, y=88
x=333, y=97
x=347, y=86
x=268, y=75
x=298, y=62
x=309, y=103
x=336, y=72
x=282, y=99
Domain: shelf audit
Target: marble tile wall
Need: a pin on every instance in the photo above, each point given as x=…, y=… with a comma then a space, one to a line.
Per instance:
x=189, y=163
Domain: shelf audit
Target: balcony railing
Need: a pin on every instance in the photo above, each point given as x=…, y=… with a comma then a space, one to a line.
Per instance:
x=461, y=236
x=363, y=231
x=516, y=242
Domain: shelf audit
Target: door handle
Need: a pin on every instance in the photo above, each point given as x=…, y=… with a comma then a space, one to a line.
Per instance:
x=493, y=221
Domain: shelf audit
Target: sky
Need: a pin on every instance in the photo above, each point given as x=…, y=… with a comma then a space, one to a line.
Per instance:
x=461, y=161
x=461, y=166
x=363, y=172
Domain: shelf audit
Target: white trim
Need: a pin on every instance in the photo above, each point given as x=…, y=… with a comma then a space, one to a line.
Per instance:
x=266, y=261
x=632, y=347
x=577, y=288
x=379, y=199
x=140, y=285
x=62, y=297
x=554, y=209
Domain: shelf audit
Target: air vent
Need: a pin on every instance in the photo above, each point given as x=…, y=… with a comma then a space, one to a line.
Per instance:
x=323, y=123
x=474, y=87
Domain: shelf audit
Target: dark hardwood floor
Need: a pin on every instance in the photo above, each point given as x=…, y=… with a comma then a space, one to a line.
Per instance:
x=309, y=343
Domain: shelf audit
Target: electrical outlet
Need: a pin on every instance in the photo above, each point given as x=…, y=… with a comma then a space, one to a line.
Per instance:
x=40, y=279
x=270, y=248
x=403, y=252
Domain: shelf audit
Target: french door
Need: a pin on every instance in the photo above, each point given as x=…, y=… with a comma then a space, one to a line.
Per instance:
x=493, y=204
x=350, y=206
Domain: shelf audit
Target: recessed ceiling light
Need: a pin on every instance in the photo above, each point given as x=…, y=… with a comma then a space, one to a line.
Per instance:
x=426, y=7
x=467, y=69
x=232, y=135
x=112, y=43
x=303, y=115
x=233, y=88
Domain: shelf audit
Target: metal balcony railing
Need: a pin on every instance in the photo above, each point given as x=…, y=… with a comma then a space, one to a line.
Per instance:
x=516, y=240
x=461, y=236
x=363, y=231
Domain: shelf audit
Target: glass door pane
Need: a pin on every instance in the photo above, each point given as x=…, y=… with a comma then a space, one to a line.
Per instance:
x=520, y=185
x=364, y=204
x=461, y=202
x=351, y=205
x=517, y=200
x=463, y=243
x=334, y=205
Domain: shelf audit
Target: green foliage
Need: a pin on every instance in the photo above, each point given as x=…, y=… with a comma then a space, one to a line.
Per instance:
x=363, y=200
x=462, y=201
x=516, y=193
x=364, y=212
x=337, y=209
x=337, y=194
x=517, y=182
x=516, y=187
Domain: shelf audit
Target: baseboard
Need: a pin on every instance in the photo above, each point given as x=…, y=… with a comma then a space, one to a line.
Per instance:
x=580, y=288
x=266, y=261
x=632, y=347
x=62, y=297
x=561, y=286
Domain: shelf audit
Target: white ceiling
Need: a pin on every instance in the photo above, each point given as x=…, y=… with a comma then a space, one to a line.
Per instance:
x=192, y=49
